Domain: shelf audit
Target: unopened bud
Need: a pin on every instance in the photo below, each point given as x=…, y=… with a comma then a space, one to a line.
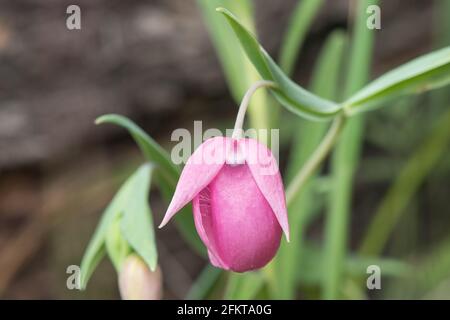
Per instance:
x=138, y=282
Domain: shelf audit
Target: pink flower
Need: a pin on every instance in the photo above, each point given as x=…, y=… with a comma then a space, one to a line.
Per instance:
x=238, y=202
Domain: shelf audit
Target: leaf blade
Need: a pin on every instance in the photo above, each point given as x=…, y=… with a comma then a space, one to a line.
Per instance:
x=166, y=178
x=116, y=245
x=95, y=249
x=290, y=95
x=137, y=223
x=149, y=147
x=239, y=72
x=427, y=72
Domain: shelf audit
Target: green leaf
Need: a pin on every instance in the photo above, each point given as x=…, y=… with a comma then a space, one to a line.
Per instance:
x=149, y=147
x=136, y=223
x=95, y=250
x=345, y=157
x=424, y=73
x=96, y=247
x=116, y=245
x=289, y=94
x=324, y=83
x=166, y=176
x=240, y=73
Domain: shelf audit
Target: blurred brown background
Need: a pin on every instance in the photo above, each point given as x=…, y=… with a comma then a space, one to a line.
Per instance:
x=153, y=62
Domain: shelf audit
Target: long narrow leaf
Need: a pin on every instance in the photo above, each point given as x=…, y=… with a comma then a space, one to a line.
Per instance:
x=424, y=73
x=149, y=147
x=290, y=95
x=134, y=191
x=116, y=245
x=240, y=73
x=96, y=250
x=137, y=221
x=299, y=23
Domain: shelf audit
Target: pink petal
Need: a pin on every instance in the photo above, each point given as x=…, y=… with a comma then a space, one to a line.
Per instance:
x=264, y=169
x=235, y=221
x=200, y=169
x=202, y=211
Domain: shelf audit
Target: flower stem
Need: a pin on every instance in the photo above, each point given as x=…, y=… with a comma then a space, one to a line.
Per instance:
x=316, y=158
x=237, y=132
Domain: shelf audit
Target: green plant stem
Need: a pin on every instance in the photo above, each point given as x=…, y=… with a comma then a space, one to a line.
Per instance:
x=305, y=140
x=237, y=132
x=345, y=159
x=316, y=159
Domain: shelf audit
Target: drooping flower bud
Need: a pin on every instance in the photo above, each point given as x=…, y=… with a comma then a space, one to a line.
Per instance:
x=238, y=202
x=138, y=282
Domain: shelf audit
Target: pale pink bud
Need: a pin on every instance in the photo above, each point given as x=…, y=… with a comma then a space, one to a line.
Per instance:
x=138, y=282
x=238, y=202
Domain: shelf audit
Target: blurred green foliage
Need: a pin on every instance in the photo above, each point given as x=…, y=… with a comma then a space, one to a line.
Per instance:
x=407, y=142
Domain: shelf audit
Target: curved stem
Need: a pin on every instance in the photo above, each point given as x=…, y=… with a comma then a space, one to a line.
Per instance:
x=316, y=158
x=237, y=132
